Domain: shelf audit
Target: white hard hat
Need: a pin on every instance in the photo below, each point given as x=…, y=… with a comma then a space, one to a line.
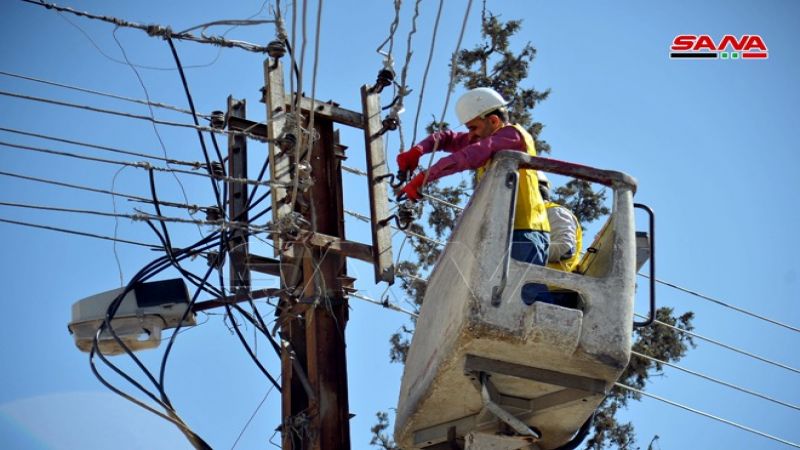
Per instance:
x=477, y=102
x=543, y=179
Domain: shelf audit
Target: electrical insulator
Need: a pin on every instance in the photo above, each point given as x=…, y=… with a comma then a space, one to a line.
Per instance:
x=214, y=260
x=217, y=119
x=276, y=49
x=286, y=142
x=385, y=78
x=390, y=123
x=304, y=180
x=213, y=214
x=217, y=169
x=406, y=213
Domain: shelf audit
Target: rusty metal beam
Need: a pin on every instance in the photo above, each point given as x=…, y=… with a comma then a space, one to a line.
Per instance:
x=262, y=264
x=330, y=111
x=252, y=295
x=242, y=124
x=337, y=245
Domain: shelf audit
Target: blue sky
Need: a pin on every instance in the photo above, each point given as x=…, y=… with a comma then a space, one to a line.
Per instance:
x=711, y=143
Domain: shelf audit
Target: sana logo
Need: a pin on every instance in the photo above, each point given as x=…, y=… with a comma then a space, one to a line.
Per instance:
x=703, y=46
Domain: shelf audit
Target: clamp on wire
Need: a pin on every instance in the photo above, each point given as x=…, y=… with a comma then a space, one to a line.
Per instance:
x=395, y=181
x=304, y=179
x=290, y=225
x=407, y=212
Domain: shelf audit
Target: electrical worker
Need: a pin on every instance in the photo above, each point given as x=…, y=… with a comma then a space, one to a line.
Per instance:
x=566, y=234
x=483, y=111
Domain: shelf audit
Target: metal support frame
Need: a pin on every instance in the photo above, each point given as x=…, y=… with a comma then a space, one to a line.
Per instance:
x=651, y=317
x=237, y=203
x=513, y=411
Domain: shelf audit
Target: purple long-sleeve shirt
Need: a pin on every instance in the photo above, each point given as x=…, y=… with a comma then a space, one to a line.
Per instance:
x=465, y=154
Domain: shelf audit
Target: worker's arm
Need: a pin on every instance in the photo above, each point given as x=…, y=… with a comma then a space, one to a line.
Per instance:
x=563, y=234
x=475, y=155
x=448, y=140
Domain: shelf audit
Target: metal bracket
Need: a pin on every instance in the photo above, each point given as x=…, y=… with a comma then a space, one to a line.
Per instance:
x=513, y=411
x=489, y=395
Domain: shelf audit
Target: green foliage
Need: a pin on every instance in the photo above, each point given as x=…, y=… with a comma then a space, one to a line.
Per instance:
x=379, y=437
x=494, y=64
x=585, y=203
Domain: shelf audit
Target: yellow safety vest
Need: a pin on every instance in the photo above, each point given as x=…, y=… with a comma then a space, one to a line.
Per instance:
x=531, y=213
x=568, y=265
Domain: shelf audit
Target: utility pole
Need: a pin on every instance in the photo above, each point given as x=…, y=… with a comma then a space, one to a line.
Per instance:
x=311, y=250
x=313, y=311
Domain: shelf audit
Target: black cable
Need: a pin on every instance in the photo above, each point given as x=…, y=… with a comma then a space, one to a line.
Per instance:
x=260, y=199
x=146, y=272
x=257, y=216
x=194, y=116
x=157, y=206
x=261, y=174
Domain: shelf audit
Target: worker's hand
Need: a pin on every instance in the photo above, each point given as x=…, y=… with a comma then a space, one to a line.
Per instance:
x=412, y=188
x=409, y=161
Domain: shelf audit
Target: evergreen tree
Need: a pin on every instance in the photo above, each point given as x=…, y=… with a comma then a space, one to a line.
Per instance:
x=493, y=63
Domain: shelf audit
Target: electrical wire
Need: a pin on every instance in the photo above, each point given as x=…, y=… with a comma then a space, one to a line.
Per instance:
x=103, y=94
x=131, y=116
x=235, y=22
x=195, y=164
x=432, y=198
x=724, y=304
x=141, y=165
x=403, y=91
x=199, y=133
x=723, y=345
x=710, y=416
x=385, y=303
x=427, y=68
x=409, y=233
x=155, y=30
x=102, y=191
x=252, y=416
x=715, y=380
x=392, y=29
x=80, y=233
x=153, y=117
x=141, y=216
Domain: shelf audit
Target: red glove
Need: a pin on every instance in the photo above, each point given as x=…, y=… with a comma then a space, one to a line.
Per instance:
x=412, y=188
x=408, y=161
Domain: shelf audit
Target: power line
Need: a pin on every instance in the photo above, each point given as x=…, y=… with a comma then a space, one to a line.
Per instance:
x=410, y=233
x=443, y=202
x=130, y=115
x=247, y=424
x=104, y=94
x=195, y=164
x=721, y=344
x=80, y=233
x=427, y=68
x=101, y=191
x=726, y=305
x=156, y=30
x=142, y=165
x=360, y=172
x=144, y=217
x=715, y=380
x=386, y=304
x=710, y=416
